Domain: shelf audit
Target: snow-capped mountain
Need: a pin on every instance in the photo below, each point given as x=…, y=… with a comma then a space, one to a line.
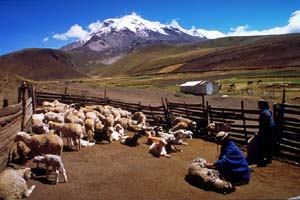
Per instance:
x=117, y=35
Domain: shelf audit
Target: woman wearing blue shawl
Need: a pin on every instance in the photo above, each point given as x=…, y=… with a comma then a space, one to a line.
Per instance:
x=231, y=163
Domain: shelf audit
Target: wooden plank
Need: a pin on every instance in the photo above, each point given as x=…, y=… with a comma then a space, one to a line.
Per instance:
x=291, y=106
x=9, y=118
x=291, y=119
x=294, y=112
x=291, y=129
x=10, y=110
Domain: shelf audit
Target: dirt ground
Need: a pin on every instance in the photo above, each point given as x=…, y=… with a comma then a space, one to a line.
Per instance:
x=115, y=171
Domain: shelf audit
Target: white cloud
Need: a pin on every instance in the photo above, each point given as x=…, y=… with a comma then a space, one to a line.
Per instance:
x=211, y=34
x=75, y=31
x=293, y=26
x=46, y=39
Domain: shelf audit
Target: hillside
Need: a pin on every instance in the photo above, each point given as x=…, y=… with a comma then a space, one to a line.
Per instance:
x=40, y=64
x=229, y=53
x=219, y=54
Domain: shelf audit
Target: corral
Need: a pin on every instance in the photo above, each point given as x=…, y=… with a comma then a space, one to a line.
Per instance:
x=116, y=171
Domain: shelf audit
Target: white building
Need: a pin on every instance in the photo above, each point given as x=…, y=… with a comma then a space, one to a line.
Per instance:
x=201, y=87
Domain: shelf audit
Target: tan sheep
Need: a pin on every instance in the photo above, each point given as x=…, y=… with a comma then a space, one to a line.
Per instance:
x=183, y=123
x=140, y=117
x=72, y=131
x=13, y=184
x=41, y=144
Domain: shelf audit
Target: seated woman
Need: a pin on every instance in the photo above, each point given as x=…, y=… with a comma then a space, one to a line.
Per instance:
x=231, y=164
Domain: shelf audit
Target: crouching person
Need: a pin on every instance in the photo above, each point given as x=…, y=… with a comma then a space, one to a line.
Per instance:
x=231, y=164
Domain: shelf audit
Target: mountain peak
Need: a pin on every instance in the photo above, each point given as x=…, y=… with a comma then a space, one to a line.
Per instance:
x=125, y=33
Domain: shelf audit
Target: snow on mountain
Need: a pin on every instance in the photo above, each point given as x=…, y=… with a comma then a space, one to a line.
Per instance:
x=127, y=32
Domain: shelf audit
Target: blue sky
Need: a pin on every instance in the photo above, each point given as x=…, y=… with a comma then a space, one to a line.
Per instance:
x=33, y=23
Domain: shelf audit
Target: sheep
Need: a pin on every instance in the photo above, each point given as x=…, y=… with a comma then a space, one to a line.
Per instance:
x=21, y=150
x=131, y=141
x=13, y=184
x=89, y=125
x=183, y=123
x=180, y=135
x=53, y=161
x=41, y=144
x=158, y=149
x=214, y=128
x=40, y=117
x=124, y=113
x=85, y=143
x=119, y=129
x=140, y=117
x=206, y=178
x=110, y=120
x=47, y=104
x=55, y=117
x=70, y=118
x=39, y=127
x=113, y=135
x=72, y=131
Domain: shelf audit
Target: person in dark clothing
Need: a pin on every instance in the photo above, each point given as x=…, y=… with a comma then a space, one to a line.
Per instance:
x=265, y=134
x=231, y=163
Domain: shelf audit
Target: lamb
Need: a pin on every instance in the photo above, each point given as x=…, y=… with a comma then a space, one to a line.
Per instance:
x=41, y=144
x=206, y=178
x=53, y=161
x=158, y=149
x=72, y=131
x=13, y=184
x=131, y=141
x=180, y=135
x=113, y=135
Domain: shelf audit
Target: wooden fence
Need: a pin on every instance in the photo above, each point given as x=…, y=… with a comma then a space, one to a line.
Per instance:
x=13, y=119
x=244, y=122
x=287, y=118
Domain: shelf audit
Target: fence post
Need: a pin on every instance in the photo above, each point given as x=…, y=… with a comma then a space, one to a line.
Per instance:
x=166, y=113
x=283, y=96
x=5, y=103
x=244, y=122
x=23, y=97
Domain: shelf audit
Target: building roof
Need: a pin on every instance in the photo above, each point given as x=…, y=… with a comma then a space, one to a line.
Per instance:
x=193, y=83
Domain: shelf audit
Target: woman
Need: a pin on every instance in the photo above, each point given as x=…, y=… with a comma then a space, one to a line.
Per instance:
x=231, y=164
x=265, y=134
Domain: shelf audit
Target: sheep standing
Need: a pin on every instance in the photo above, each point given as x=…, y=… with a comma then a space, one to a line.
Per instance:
x=201, y=176
x=72, y=131
x=55, y=162
x=13, y=184
x=41, y=144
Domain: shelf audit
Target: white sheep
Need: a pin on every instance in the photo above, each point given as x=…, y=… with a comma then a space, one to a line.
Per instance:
x=72, y=131
x=53, y=161
x=89, y=125
x=13, y=184
x=158, y=149
x=41, y=144
x=180, y=135
x=201, y=176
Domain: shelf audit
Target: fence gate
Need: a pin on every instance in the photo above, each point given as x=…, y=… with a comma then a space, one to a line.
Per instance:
x=287, y=119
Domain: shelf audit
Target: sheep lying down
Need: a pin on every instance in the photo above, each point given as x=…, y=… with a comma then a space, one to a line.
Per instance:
x=13, y=184
x=206, y=178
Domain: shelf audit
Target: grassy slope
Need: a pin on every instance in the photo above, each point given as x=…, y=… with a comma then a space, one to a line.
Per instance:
x=219, y=54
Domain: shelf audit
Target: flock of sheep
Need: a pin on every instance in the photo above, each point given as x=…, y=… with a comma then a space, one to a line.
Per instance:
x=82, y=127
